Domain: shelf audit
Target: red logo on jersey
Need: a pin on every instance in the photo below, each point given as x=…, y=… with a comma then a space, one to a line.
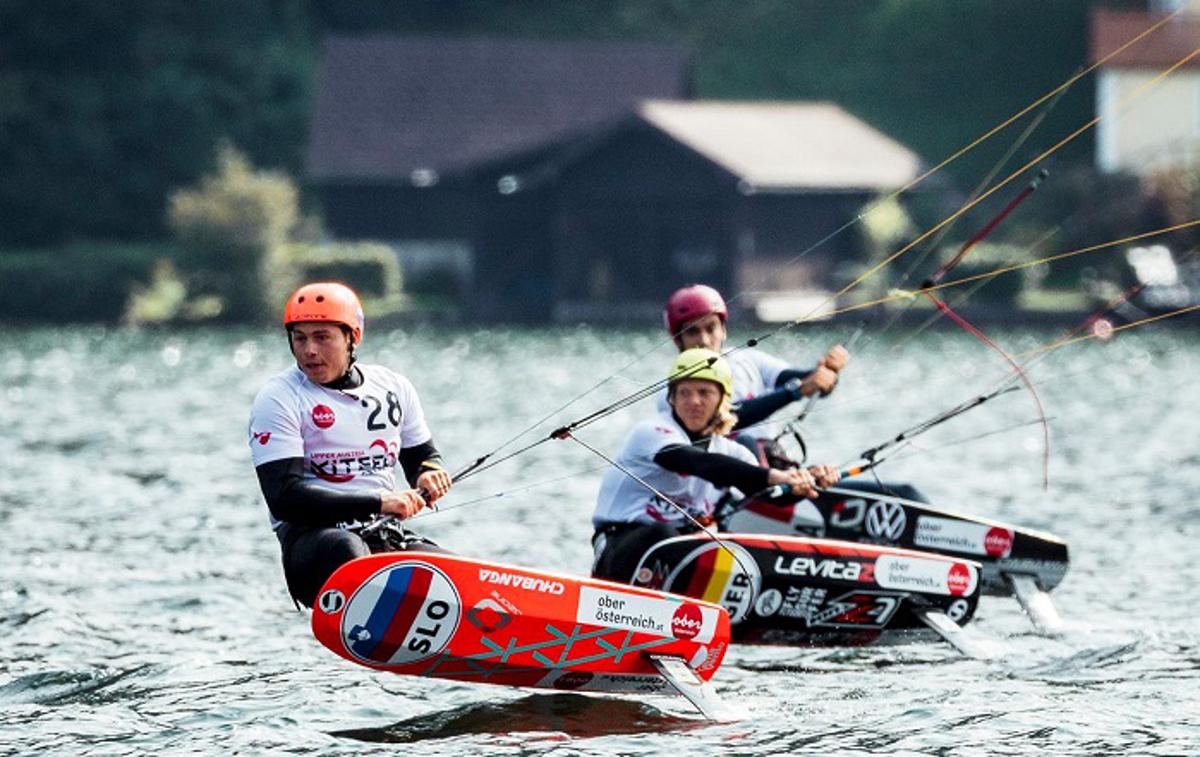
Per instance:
x=323, y=416
x=263, y=437
x=958, y=580
x=998, y=542
x=687, y=621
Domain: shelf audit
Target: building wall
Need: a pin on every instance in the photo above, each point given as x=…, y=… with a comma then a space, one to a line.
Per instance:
x=792, y=247
x=514, y=275
x=397, y=211
x=637, y=218
x=1145, y=127
x=605, y=234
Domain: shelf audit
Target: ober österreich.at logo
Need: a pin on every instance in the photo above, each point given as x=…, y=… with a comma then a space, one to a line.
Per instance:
x=958, y=579
x=687, y=621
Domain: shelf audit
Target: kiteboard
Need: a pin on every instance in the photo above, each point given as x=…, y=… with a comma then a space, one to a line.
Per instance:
x=1016, y=562
x=445, y=616
x=789, y=590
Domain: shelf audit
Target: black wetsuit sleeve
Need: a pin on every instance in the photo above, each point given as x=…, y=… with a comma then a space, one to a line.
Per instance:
x=722, y=470
x=416, y=460
x=787, y=374
x=758, y=409
x=294, y=499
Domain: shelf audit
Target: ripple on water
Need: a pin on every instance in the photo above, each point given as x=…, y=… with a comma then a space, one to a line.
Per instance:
x=547, y=717
x=143, y=609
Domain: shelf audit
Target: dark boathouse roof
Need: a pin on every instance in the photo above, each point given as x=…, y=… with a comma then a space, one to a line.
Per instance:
x=413, y=109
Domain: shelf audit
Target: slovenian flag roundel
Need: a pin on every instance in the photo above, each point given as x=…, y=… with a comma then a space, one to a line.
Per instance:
x=403, y=614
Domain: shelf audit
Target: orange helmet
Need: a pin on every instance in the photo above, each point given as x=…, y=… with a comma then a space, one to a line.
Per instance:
x=326, y=301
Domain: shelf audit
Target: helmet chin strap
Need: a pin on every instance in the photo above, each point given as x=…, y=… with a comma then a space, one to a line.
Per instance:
x=348, y=378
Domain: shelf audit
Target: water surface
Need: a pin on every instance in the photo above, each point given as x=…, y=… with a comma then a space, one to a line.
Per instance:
x=143, y=609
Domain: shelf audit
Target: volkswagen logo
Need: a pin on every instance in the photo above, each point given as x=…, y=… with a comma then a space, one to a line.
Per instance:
x=885, y=520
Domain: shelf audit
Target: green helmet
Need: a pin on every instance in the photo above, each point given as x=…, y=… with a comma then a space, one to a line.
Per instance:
x=703, y=364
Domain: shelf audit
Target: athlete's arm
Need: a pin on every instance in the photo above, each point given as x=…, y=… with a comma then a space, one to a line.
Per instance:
x=758, y=409
x=788, y=374
x=820, y=380
x=294, y=499
x=722, y=470
x=424, y=471
x=418, y=459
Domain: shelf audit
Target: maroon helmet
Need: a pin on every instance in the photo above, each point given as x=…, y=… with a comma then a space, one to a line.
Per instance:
x=690, y=303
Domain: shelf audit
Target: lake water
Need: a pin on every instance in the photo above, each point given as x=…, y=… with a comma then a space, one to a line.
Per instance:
x=143, y=611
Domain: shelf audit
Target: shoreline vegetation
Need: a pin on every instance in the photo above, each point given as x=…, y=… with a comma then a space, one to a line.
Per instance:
x=199, y=215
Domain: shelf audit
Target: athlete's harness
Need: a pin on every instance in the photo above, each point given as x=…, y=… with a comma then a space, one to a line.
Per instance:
x=383, y=533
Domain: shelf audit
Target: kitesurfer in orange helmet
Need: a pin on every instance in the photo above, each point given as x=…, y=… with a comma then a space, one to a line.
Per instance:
x=327, y=436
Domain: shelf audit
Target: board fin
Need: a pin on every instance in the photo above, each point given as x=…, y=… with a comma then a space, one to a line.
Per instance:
x=1036, y=604
x=953, y=633
x=700, y=693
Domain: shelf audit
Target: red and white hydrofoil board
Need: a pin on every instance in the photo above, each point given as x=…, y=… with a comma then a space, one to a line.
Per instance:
x=445, y=616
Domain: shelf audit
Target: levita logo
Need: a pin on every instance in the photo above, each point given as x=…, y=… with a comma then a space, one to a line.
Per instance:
x=687, y=621
x=322, y=416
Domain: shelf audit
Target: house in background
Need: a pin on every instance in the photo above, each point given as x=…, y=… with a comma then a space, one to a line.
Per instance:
x=1163, y=130
x=571, y=181
x=728, y=193
x=398, y=122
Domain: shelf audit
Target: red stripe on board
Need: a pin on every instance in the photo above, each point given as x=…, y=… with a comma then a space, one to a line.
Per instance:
x=701, y=574
x=406, y=614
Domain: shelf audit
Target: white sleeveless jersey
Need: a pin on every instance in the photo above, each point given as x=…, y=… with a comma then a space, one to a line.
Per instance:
x=623, y=500
x=350, y=440
x=754, y=374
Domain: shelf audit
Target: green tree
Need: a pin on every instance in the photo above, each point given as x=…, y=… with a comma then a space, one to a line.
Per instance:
x=105, y=106
x=232, y=229
x=935, y=74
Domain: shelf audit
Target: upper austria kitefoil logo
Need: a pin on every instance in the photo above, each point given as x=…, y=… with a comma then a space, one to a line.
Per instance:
x=885, y=520
x=403, y=614
x=322, y=416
